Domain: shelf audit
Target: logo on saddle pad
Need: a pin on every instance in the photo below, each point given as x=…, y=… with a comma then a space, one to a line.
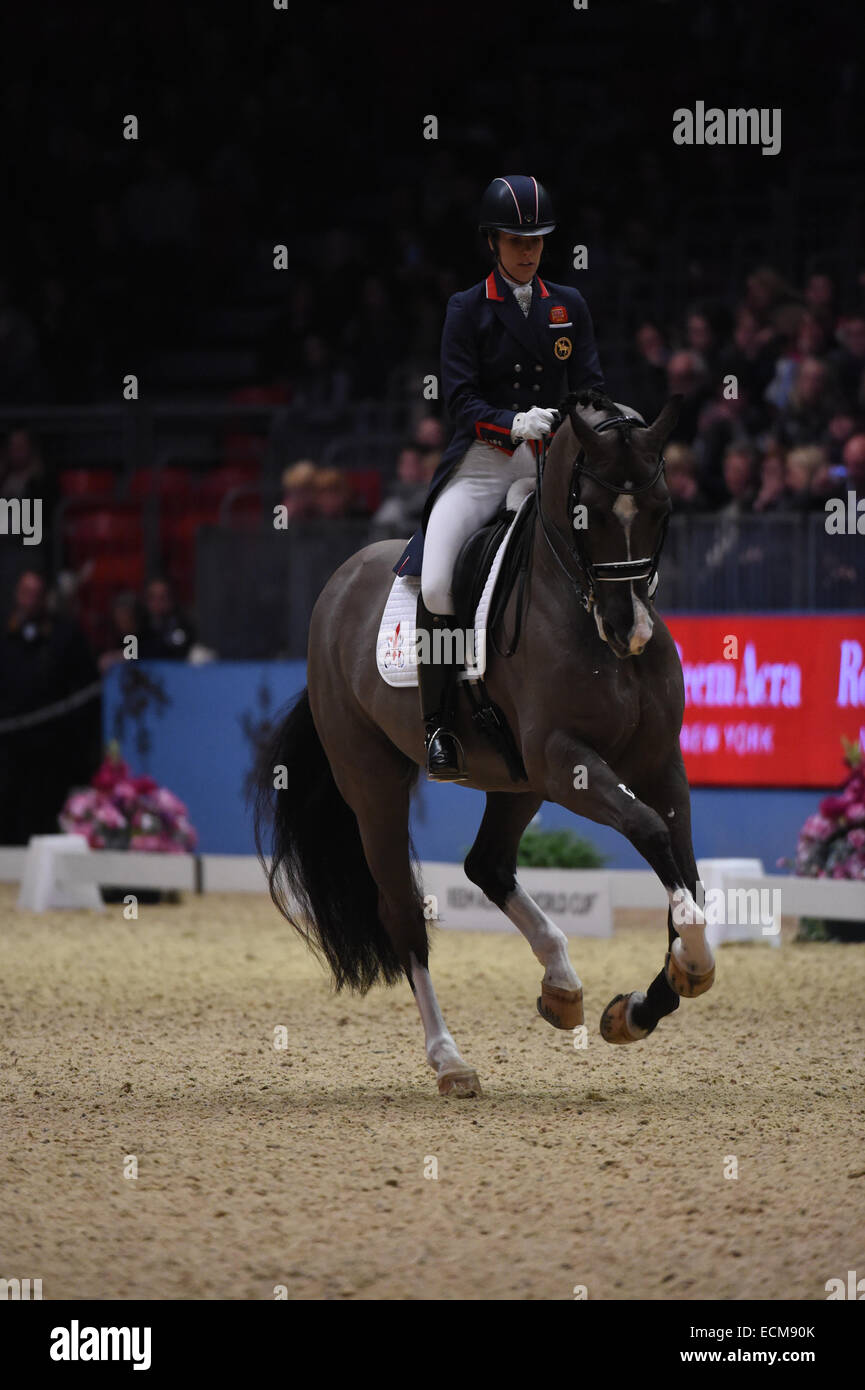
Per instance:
x=444, y=646
x=562, y=348
x=393, y=655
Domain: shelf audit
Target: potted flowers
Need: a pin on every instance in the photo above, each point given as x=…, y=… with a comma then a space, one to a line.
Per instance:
x=121, y=811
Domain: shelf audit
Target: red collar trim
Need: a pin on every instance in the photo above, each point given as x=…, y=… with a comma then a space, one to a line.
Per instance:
x=493, y=289
x=545, y=294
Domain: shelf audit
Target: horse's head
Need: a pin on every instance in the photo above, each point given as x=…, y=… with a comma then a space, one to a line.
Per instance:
x=607, y=466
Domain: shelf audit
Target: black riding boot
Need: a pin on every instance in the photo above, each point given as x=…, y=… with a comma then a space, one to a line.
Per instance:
x=437, y=684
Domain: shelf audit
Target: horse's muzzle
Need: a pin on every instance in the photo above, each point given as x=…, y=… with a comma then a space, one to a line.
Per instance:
x=639, y=634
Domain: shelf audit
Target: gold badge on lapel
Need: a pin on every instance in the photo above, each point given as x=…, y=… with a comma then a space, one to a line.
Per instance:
x=562, y=348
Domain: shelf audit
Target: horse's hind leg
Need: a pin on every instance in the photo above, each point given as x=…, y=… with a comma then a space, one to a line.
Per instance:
x=491, y=864
x=377, y=786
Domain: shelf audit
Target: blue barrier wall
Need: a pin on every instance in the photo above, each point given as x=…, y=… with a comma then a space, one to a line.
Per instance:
x=193, y=728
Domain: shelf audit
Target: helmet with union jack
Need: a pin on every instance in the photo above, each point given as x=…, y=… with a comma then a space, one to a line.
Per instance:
x=518, y=204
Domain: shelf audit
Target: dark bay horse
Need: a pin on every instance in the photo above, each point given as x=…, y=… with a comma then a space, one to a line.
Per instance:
x=594, y=696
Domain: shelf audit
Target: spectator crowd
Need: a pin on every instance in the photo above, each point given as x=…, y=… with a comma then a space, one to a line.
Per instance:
x=773, y=387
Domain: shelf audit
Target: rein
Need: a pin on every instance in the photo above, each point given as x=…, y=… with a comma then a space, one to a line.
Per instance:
x=606, y=572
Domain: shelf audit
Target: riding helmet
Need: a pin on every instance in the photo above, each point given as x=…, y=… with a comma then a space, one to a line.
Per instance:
x=517, y=203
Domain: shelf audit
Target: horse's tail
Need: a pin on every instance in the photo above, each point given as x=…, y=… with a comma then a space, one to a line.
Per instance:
x=318, y=878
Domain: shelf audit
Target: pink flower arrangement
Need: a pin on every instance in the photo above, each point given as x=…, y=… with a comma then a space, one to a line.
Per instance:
x=832, y=841
x=119, y=811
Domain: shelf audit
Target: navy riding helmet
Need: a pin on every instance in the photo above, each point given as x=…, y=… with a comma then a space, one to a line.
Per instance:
x=517, y=203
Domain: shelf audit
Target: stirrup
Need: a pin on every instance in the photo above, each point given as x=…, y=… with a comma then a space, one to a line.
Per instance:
x=445, y=761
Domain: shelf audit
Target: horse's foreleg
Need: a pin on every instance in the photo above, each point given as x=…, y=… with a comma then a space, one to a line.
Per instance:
x=577, y=777
x=491, y=864
x=670, y=796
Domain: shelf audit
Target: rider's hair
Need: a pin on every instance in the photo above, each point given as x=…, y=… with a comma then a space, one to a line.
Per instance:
x=494, y=250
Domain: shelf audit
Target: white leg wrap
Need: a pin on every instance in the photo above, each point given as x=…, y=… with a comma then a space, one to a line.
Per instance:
x=690, y=923
x=549, y=944
x=441, y=1049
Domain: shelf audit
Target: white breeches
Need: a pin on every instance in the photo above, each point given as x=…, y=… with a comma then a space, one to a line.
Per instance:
x=471, y=495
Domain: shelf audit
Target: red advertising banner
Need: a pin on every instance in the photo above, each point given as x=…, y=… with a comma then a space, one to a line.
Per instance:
x=768, y=698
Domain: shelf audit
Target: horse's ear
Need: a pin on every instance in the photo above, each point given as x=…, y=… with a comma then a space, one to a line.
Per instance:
x=586, y=436
x=660, y=430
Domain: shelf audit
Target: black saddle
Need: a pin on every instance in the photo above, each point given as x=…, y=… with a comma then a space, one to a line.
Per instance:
x=475, y=560
x=471, y=572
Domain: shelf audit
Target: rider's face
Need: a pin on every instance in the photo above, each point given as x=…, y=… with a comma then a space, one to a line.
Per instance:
x=520, y=256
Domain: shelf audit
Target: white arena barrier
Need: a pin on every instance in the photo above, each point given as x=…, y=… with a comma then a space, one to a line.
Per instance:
x=578, y=900
x=736, y=908
x=59, y=871
x=44, y=884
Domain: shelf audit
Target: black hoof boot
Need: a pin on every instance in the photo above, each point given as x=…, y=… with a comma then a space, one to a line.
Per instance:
x=444, y=755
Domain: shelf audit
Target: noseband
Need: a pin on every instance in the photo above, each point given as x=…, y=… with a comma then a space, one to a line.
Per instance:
x=612, y=571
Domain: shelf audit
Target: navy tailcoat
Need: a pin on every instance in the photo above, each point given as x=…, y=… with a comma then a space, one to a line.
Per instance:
x=496, y=362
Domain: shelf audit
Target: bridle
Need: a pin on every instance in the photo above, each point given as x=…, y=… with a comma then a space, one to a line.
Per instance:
x=611, y=571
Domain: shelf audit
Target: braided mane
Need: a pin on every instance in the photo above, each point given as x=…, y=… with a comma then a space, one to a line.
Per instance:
x=588, y=400
x=599, y=402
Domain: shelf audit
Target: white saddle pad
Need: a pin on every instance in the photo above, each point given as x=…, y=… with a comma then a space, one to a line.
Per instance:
x=395, y=644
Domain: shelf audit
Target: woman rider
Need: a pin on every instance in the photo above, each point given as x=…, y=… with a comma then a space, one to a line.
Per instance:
x=510, y=344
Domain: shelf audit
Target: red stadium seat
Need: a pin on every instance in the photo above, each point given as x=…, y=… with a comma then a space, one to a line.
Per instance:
x=180, y=531
x=244, y=451
x=222, y=480
x=109, y=574
x=178, y=549
x=102, y=529
x=173, y=486
x=78, y=482
x=245, y=508
x=244, y=512
x=260, y=395
x=178, y=539
x=207, y=510
x=113, y=572
x=365, y=486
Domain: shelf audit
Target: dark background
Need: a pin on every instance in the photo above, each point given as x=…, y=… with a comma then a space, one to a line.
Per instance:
x=260, y=126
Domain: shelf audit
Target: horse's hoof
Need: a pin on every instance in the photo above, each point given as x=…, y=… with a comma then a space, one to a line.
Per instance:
x=563, y=1008
x=614, y=1020
x=462, y=1083
x=686, y=983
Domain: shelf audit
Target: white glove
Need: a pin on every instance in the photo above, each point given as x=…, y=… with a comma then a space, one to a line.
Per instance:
x=532, y=424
